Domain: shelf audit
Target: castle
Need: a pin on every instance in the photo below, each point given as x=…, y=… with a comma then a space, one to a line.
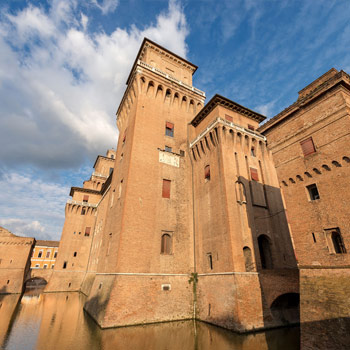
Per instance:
x=202, y=213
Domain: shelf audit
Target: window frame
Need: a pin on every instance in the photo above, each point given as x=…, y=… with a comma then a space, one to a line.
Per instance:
x=169, y=129
x=166, y=247
x=311, y=195
x=306, y=146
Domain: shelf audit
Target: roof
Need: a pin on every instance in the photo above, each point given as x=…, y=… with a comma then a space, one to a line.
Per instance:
x=81, y=189
x=146, y=40
x=309, y=94
x=47, y=243
x=219, y=100
x=104, y=157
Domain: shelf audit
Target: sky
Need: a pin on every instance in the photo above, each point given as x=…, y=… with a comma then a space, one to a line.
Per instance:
x=64, y=64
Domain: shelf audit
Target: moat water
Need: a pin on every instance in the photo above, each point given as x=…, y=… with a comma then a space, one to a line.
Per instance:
x=57, y=321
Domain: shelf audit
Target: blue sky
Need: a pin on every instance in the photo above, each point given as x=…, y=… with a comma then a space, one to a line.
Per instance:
x=64, y=63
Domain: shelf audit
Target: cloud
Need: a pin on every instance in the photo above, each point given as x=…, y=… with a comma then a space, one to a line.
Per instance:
x=60, y=82
x=265, y=109
x=106, y=6
x=30, y=206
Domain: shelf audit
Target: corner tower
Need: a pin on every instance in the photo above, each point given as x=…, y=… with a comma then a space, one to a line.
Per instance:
x=147, y=250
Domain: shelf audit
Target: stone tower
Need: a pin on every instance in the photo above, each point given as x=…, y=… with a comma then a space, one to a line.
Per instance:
x=146, y=253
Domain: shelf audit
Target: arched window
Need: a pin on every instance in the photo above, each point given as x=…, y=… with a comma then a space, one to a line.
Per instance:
x=265, y=252
x=248, y=259
x=166, y=244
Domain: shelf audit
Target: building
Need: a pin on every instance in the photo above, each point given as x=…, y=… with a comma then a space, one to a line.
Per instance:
x=310, y=142
x=15, y=253
x=44, y=254
x=188, y=203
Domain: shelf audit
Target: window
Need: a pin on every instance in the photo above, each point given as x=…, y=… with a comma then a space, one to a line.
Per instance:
x=45, y=266
x=55, y=255
x=52, y=266
x=120, y=189
x=313, y=192
x=37, y=265
x=210, y=260
x=335, y=241
x=83, y=211
x=252, y=152
x=48, y=254
x=251, y=127
x=308, y=146
x=124, y=137
x=166, y=244
x=254, y=174
x=168, y=149
x=87, y=231
x=85, y=198
x=65, y=265
x=228, y=118
x=207, y=172
x=166, y=188
x=40, y=254
x=265, y=252
x=75, y=254
x=169, y=129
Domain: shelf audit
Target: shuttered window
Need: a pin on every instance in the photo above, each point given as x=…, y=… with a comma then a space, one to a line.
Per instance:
x=166, y=188
x=207, y=172
x=87, y=231
x=308, y=146
x=251, y=127
x=254, y=174
x=228, y=118
x=169, y=129
x=85, y=198
x=166, y=244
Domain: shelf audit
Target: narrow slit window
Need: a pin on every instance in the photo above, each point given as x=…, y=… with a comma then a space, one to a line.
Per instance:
x=65, y=265
x=308, y=146
x=210, y=260
x=313, y=192
x=166, y=188
x=169, y=129
x=207, y=173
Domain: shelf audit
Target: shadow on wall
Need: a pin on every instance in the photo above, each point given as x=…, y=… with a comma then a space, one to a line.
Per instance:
x=274, y=253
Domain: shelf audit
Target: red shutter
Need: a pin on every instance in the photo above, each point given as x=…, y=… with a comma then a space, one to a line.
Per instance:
x=85, y=198
x=254, y=174
x=87, y=230
x=307, y=146
x=166, y=188
x=169, y=125
x=228, y=118
x=251, y=127
x=207, y=172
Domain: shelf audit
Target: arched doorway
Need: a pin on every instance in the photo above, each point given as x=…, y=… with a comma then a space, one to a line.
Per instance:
x=285, y=308
x=265, y=252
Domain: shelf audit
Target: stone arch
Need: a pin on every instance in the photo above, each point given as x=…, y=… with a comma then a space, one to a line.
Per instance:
x=160, y=91
x=168, y=95
x=346, y=159
x=191, y=107
x=35, y=282
x=307, y=174
x=150, y=88
x=299, y=178
x=336, y=164
x=184, y=102
x=285, y=308
x=265, y=251
x=176, y=98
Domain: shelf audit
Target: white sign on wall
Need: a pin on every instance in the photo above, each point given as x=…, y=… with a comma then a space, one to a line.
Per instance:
x=169, y=158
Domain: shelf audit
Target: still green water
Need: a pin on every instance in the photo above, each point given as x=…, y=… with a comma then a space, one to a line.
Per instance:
x=57, y=321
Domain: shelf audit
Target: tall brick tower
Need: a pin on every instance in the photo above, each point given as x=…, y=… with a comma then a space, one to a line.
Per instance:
x=79, y=226
x=244, y=256
x=146, y=254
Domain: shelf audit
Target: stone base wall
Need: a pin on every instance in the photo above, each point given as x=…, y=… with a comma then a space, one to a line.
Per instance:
x=65, y=281
x=324, y=294
x=242, y=301
x=11, y=281
x=121, y=300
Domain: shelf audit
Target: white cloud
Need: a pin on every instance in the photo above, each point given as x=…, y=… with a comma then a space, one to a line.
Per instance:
x=106, y=6
x=265, y=109
x=60, y=84
x=32, y=207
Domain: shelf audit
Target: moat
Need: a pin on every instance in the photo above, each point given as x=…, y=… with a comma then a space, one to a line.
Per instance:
x=58, y=321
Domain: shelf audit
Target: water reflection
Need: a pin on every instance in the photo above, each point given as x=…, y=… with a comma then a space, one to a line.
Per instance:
x=57, y=321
